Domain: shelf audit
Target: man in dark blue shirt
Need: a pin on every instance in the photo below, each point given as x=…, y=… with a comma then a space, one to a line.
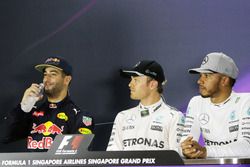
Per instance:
x=57, y=114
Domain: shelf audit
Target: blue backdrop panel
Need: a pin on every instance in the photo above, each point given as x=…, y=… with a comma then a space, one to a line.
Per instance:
x=99, y=37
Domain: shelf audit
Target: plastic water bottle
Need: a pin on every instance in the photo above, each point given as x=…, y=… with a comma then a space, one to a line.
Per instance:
x=31, y=100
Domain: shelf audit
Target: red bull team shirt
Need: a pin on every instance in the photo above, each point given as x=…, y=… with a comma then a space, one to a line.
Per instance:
x=43, y=123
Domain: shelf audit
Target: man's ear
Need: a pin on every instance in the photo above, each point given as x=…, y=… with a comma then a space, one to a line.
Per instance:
x=225, y=81
x=153, y=84
x=67, y=79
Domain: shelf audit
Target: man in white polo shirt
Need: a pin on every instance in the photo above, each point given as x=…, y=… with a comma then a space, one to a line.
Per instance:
x=152, y=124
x=219, y=114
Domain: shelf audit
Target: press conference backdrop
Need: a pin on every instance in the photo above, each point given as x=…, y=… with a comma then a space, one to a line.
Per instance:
x=98, y=37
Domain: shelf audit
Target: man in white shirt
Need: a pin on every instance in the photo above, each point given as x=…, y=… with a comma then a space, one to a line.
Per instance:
x=152, y=125
x=219, y=114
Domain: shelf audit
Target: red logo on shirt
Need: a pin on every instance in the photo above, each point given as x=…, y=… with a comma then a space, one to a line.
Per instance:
x=38, y=113
x=45, y=143
x=47, y=128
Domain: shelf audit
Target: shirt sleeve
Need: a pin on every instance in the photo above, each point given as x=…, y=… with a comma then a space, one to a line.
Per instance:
x=115, y=141
x=175, y=131
x=83, y=122
x=192, y=126
x=18, y=124
x=241, y=147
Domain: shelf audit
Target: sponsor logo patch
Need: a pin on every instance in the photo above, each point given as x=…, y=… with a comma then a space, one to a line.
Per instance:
x=188, y=109
x=45, y=143
x=156, y=128
x=237, y=100
x=46, y=129
x=131, y=119
x=246, y=133
x=144, y=113
x=153, y=143
x=158, y=119
x=232, y=115
x=182, y=120
x=129, y=127
x=38, y=113
x=234, y=128
x=218, y=143
x=84, y=131
x=204, y=118
x=63, y=116
x=205, y=60
x=87, y=121
x=245, y=123
x=248, y=111
x=52, y=105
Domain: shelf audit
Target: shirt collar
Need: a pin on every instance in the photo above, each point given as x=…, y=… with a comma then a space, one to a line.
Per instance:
x=225, y=101
x=153, y=107
x=58, y=104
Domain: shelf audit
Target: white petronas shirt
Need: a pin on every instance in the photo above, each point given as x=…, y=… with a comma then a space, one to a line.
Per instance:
x=225, y=127
x=154, y=127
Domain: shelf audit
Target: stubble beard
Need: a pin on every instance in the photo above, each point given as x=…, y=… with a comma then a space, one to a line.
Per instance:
x=207, y=94
x=54, y=92
x=204, y=95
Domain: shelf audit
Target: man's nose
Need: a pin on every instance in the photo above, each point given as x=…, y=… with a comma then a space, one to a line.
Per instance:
x=130, y=83
x=46, y=78
x=200, y=80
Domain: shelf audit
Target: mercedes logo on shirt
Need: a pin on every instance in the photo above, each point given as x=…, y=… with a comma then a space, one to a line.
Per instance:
x=204, y=118
x=131, y=119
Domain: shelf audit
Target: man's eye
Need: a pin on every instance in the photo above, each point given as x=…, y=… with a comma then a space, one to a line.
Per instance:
x=206, y=75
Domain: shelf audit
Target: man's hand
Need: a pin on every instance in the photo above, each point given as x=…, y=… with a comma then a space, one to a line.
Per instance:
x=192, y=149
x=32, y=92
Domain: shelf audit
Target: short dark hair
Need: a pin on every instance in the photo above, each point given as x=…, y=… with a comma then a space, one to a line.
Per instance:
x=232, y=81
x=160, y=88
